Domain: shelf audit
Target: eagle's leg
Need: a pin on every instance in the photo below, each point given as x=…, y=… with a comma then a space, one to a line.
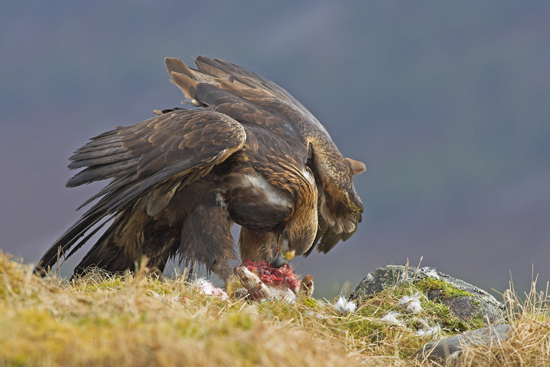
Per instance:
x=206, y=237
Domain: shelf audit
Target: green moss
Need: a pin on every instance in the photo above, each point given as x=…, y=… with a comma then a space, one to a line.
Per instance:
x=477, y=321
x=447, y=290
x=446, y=317
x=309, y=302
x=107, y=283
x=366, y=328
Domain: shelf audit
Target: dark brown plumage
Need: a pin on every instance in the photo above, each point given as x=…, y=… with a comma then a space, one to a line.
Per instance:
x=251, y=154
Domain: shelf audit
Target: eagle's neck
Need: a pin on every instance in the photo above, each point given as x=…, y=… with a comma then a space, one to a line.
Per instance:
x=303, y=220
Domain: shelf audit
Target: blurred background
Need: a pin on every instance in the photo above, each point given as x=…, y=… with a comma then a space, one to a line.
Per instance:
x=446, y=102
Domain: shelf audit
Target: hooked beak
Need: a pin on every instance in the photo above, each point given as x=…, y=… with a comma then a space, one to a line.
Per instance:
x=279, y=261
x=283, y=253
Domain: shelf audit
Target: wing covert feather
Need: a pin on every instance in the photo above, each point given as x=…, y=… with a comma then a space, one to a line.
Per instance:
x=180, y=146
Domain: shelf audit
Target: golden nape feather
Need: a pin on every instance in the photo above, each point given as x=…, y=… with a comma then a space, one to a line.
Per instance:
x=250, y=154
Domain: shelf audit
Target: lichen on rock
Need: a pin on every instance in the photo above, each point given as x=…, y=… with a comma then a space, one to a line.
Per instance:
x=471, y=305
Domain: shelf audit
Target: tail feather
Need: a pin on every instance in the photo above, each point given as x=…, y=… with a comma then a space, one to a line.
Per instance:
x=131, y=236
x=113, y=186
x=61, y=247
x=105, y=254
x=107, y=206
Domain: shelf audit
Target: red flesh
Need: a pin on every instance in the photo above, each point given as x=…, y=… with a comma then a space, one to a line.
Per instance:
x=282, y=277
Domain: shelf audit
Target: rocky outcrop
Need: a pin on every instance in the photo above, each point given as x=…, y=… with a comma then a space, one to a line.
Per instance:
x=466, y=301
x=447, y=349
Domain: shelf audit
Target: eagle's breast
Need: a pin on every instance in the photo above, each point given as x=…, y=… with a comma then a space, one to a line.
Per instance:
x=252, y=201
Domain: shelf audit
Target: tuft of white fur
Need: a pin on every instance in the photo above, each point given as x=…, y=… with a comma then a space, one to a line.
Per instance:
x=206, y=287
x=165, y=298
x=220, y=201
x=307, y=174
x=316, y=314
x=273, y=194
x=428, y=331
x=281, y=294
x=411, y=304
x=345, y=306
x=391, y=318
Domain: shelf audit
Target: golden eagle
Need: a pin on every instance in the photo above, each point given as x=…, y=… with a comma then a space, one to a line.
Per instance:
x=246, y=153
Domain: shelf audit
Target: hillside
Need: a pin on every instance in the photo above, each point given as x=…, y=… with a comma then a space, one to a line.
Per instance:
x=145, y=321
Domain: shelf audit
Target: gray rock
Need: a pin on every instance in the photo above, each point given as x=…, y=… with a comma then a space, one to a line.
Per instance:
x=441, y=350
x=467, y=302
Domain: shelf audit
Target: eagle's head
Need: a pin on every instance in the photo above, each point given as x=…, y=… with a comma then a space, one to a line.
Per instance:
x=294, y=240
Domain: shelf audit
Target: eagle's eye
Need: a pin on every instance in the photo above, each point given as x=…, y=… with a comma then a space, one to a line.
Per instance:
x=286, y=234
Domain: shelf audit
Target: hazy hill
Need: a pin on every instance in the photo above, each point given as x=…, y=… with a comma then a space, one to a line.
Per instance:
x=446, y=102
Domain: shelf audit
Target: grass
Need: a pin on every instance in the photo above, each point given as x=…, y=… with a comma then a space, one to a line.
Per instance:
x=141, y=320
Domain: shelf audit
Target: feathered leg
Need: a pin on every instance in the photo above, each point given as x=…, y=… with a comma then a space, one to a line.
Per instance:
x=206, y=237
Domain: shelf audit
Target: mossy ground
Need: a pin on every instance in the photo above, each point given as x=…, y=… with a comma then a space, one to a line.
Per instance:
x=141, y=320
x=446, y=316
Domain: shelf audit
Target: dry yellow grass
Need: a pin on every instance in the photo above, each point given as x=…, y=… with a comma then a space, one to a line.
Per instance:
x=144, y=321
x=529, y=343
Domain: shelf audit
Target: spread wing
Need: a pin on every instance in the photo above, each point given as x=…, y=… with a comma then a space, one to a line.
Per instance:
x=154, y=158
x=250, y=98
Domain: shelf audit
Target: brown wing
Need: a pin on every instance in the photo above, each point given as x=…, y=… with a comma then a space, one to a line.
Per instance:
x=243, y=100
x=326, y=238
x=226, y=76
x=154, y=158
x=248, y=97
x=340, y=207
